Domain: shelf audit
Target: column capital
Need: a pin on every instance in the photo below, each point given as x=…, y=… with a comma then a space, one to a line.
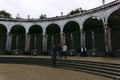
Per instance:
x=61, y=32
x=107, y=28
x=81, y=29
x=27, y=34
x=8, y=34
x=45, y=35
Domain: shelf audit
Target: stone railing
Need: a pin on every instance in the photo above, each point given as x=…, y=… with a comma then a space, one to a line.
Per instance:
x=63, y=17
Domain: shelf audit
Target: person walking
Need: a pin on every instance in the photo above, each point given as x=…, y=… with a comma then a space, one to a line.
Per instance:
x=59, y=49
x=53, y=56
x=83, y=51
x=64, y=49
x=78, y=49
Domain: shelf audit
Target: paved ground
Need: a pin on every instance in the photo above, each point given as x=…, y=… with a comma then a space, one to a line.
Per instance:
x=33, y=72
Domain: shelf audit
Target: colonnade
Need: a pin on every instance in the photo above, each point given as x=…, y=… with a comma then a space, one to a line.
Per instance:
x=44, y=44
x=102, y=12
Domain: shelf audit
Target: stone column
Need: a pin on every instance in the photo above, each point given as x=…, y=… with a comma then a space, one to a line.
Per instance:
x=27, y=42
x=93, y=43
x=8, y=42
x=35, y=42
x=82, y=38
x=93, y=40
x=107, y=39
x=62, y=39
x=52, y=40
x=45, y=42
x=72, y=41
x=17, y=37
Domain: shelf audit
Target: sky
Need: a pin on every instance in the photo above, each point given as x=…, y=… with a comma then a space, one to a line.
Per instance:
x=51, y=8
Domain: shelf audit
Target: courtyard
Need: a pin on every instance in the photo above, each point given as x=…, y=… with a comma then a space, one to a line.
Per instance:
x=24, y=71
x=33, y=72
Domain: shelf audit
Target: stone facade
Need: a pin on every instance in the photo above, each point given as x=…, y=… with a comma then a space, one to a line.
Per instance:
x=103, y=12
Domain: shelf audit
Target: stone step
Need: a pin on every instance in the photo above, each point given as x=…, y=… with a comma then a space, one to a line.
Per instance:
x=94, y=66
x=114, y=77
x=93, y=63
x=91, y=68
x=105, y=69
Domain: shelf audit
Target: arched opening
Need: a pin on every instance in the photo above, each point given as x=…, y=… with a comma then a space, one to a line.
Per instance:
x=72, y=34
x=35, y=32
x=53, y=32
x=3, y=31
x=114, y=24
x=18, y=39
x=94, y=36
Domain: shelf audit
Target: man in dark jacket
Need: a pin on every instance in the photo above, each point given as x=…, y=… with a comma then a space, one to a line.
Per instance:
x=53, y=55
x=83, y=51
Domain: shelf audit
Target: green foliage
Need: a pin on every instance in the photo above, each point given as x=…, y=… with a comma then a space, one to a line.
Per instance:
x=76, y=11
x=21, y=42
x=114, y=24
x=71, y=27
x=35, y=29
x=43, y=16
x=114, y=21
x=53, y=29
x=39, y=42
x=93, y=24
x=2, y=43
x=2, y=29
x=18, y=29
x=4, y=14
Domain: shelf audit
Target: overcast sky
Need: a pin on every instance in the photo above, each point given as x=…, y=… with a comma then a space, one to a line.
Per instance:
x=49, y=7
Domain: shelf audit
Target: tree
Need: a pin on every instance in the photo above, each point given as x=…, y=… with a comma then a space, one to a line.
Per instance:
x=4, y=14
x=43, y=16
x=76, y=11
x=93, y=24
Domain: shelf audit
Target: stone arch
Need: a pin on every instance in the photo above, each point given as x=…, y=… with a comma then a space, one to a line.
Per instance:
x=72, y=33
x=53, y=32
x=18, y=39
x=69, y=25
x=94, y=21
x=94, y=35
x=114, y=19
x=111, y=12
x=52, y=28
x=36, y=37
x=3, y=31
x=18, y=29
x=35, y=29
x=114, y=24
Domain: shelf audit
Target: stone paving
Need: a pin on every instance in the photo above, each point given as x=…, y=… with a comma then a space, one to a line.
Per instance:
x=34, y=72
